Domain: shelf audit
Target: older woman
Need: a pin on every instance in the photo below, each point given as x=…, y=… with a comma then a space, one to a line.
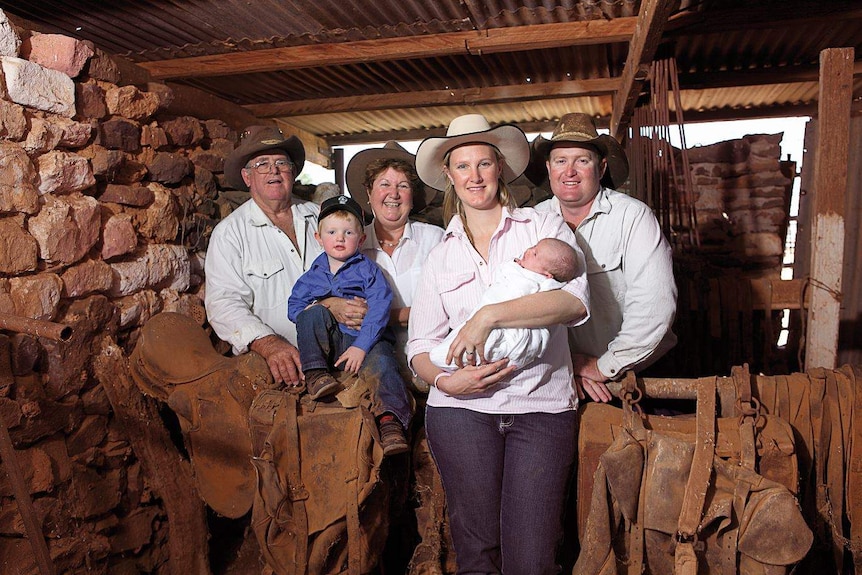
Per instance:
x=503, y=439
x=385, y=179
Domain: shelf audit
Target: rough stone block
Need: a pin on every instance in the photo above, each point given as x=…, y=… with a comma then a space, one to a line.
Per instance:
x=42, y=137
x=118, y=237
x=210, y=159
x=66, y=227
x=158, y=222
x=169, y=168
x=95, y=493
x=73, y=134
x=36, y=296
x=154, y=136
x=64, y=172
x=105, y=162
x=138, y=196
x=163, y=92
x=10, y=42
x=184, y=131
x=58, y=52
x=18, y=249
x=138, y=308
x=218, y=130
x=38, y=87
x=120, y=134
x=129, y=102
x=88, y=277
x=157, y=266
x=13, y=123
x=19, y=190
x=90, y=101
x=729, y=152
x=103, y=67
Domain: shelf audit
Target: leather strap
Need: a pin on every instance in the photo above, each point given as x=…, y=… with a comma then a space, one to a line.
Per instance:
x=854, y=469
x=698, y=479
x=354, y=534
x=296, y=491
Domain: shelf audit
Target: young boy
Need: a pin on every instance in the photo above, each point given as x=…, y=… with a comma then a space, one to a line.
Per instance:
x=324, y=344
x=547, y=265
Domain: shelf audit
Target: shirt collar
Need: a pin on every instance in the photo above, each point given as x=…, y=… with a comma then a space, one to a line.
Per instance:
x=371, y=235
x=300, y=209
x=456, y=226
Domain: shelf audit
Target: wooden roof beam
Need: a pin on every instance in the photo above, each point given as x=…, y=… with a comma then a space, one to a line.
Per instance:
x=652, y=20
x=496, y=94
x=754, y=17
x=521, y=92
x=474, y=42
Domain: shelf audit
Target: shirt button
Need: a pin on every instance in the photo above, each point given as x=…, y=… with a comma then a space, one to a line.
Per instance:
x=613, y=370
x=603, y=266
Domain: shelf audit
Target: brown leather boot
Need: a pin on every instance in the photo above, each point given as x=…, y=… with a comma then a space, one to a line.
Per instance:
x=320, y=383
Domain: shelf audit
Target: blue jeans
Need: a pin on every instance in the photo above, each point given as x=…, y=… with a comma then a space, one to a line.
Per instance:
x=505, y=479
x=321, y=342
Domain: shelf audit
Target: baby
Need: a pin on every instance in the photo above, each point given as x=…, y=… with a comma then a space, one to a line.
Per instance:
x=548, y=265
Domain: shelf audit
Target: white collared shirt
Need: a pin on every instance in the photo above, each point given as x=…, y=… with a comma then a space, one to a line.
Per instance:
x=630, y=271
x=453, y=282
x=403, y=269
x=251, y=266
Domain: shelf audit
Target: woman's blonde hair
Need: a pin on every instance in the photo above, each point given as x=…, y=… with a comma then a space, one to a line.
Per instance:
x=452, y=203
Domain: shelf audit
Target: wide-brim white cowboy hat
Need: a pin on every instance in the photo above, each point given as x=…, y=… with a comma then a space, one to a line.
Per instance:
x=578, y=128
x=354, y=176
x=254, y=141
x=470, y=129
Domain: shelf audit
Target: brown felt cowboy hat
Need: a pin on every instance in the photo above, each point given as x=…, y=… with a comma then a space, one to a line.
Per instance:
x=256, y=140
x=469, y=129
x=577, y=128
x=354, y=176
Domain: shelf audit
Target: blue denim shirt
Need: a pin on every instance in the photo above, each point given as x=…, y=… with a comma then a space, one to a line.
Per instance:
x=358, y=277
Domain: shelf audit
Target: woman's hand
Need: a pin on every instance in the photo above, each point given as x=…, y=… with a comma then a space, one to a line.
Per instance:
x=468, y=347
x=475, y=379
x=349, y=312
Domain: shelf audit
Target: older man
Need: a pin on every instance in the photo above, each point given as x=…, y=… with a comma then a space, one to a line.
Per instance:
x=629, y=265
x=257, y=253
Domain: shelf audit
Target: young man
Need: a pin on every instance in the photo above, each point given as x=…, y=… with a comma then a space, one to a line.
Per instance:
x=325, y=344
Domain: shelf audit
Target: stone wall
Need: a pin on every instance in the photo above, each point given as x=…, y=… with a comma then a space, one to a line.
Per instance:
x=742, y=197
x=106, y=202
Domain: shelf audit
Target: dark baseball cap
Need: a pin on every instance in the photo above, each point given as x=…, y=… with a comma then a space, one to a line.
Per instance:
x=342, y=204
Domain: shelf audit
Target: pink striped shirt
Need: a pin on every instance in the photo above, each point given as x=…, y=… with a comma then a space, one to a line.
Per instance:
x=453, y=280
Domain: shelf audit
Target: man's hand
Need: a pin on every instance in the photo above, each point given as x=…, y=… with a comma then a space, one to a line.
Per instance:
x=597, y=390
x=349, y=312
x=281, y=357
x=589, y=379
x=351, y=358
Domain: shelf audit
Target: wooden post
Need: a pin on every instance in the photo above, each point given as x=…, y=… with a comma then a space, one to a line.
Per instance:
x=827, y=221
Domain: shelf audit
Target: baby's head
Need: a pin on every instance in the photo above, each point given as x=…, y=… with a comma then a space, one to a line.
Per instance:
x=552, y=258
x=340, y=227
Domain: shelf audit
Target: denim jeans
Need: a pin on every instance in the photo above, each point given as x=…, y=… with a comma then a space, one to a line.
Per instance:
x=321, y=342
x=505, y=479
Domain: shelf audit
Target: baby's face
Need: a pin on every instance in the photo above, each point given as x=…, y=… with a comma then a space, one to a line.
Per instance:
x=534, y=259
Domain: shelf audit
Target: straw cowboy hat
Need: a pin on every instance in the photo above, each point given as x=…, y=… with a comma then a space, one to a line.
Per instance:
x=579, y=128
x=354, y=176
x=469, y=129
x=256, y=140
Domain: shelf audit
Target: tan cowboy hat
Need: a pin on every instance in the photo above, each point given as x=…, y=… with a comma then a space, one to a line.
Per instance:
x=579, y=128
x=256, y=140
x=354, y=176
x=472, y=128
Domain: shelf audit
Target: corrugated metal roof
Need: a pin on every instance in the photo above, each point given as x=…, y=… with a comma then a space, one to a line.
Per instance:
x=736, y=57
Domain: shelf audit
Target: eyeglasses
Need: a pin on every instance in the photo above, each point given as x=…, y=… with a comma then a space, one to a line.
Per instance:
x=265, y=167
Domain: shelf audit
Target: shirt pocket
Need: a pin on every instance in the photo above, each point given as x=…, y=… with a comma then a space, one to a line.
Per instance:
x=263, y=270
x=452, y=292
x=605, y=276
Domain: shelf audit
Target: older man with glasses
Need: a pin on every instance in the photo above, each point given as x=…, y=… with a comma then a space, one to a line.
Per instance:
x=256, y=254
